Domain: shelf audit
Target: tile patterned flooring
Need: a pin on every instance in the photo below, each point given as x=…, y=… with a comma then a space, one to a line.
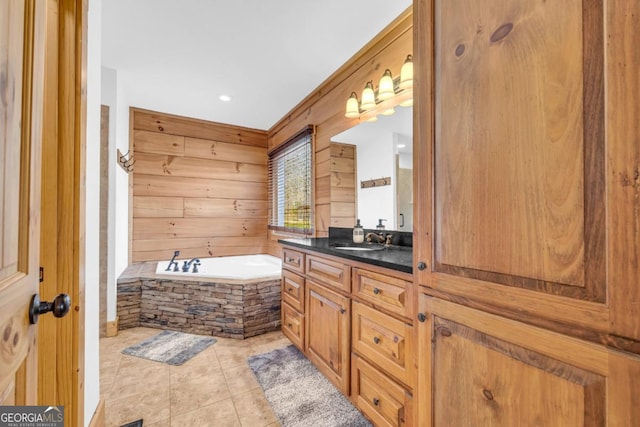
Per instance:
x=215, y=388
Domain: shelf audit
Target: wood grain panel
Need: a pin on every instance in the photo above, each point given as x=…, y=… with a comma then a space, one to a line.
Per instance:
x=323, y=155
x=343, y=209
x=622, y=389
x=163, y=228
x=158, y=207
x=323, y=169
x=169, y=124
x=497, y=383
x=201, y=251
x=141, y=245
x=217, y=150
x=535, y=226
x=169, y=186
x=346, y=151
x=623, y=162
x=225, y=208
x=158, y=143
x=323, y=190
x=160, y=165
x=341, y=164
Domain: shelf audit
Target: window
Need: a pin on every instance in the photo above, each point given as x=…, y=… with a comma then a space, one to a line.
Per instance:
x=290, y=168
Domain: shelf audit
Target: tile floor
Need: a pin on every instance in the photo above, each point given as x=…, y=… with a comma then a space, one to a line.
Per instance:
x=215, y=388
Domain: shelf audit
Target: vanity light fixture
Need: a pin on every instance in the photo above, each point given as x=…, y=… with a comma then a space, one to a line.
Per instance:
x=387, y=89
x=368, y=97
x=353, y=108
x=406, y=73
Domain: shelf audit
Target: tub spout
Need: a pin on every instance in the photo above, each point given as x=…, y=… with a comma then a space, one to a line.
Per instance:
x=173, y=262
x=187, y=264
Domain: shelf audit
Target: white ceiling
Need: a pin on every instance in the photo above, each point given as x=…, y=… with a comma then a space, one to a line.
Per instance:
x=179, y=56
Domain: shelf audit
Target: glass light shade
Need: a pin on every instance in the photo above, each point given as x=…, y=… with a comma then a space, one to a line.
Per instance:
x=368, y=97
x=388, y=112
x=373, y=119
x=353, y=109
x=407, y=103
x=385, y=89
x=406, y=73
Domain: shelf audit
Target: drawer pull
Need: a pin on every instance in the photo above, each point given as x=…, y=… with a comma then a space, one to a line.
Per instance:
x=289, y=325
x=376, y=340
x=343, y=311
x=422, y=317
x=376, y=401
x=287, y=259
x=376, y=291
x=289, y=289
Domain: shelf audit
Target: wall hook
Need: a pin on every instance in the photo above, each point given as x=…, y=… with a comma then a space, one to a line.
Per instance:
x=125, y=161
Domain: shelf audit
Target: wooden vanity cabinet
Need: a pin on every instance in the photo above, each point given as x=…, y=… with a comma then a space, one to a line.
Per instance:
x=328, y=316
x=293, y=297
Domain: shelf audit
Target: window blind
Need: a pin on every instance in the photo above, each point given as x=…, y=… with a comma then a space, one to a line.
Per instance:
x=290, y=189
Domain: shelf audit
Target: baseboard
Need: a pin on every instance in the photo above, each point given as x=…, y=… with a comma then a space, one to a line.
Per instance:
x=98, y=419
x=112, y=327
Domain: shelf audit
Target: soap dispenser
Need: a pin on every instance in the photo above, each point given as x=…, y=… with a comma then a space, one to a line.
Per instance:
x=380, y=225
x=358, y=232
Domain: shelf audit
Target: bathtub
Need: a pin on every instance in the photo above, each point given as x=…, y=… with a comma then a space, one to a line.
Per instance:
x=241, y=267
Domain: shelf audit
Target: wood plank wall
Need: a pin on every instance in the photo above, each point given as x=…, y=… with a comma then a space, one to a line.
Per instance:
x=324, y=107
x=199, y=187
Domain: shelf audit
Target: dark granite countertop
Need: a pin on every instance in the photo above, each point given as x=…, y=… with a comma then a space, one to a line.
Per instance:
x=394, y=257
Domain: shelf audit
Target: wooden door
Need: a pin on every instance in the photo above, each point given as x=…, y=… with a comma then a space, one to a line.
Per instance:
x=527, y=196
x=328, y=333
x=21, y=84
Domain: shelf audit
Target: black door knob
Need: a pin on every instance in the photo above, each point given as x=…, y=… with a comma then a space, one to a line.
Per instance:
x=59, y=307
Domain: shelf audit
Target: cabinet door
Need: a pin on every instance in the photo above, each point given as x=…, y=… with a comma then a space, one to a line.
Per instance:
x=492, y=371
x=513, y=186
x=327, y=338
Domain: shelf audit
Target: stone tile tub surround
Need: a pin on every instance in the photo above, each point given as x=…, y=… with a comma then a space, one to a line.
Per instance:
x=206, y=306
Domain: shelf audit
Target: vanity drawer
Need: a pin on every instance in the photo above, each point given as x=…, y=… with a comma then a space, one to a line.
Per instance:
x=385, y=292
x=381, y=399
x=293, y=290
x=385, y=341
x=293, y=325
x=328, y=272
x=293, y=260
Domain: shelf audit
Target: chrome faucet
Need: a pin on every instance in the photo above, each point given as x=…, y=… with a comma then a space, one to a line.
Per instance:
x=173, y=262
x=187, y=264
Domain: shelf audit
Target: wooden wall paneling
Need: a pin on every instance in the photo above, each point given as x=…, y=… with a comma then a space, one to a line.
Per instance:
x=158, y=207
x=323, y=190
x=184, y=126
x=225, y=208
x=161, y=186
x=158, y=143
x=198, y=187
x=166, y=228
x=343, y=209
x=623, y=163
x=159, y=164
x=217, y=150
x=323, y=217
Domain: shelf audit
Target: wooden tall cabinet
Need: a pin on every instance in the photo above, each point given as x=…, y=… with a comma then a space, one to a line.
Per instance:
x=527, y=221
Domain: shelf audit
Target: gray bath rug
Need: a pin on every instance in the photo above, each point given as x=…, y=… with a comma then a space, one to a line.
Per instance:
x=173, y=348
x=299, y=394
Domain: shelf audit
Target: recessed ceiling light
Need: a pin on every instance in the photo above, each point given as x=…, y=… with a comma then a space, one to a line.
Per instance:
x=225, y=98
x=401, y=145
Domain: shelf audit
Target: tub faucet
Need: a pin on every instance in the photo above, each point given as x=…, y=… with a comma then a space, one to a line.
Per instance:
x=173, y=262
x=187, y=264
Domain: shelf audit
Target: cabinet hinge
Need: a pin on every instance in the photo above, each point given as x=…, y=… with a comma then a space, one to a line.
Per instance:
x=41, y=274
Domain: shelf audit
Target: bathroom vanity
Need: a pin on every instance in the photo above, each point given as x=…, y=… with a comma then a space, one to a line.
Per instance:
x=351, y=313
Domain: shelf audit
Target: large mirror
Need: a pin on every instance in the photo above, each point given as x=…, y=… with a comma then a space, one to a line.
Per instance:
x=384, y=149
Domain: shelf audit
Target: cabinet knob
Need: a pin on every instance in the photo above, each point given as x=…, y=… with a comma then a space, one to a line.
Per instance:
x=289, y=289
x=422, y=317
x=422, y=265
x=376, y=401
x=343, y=311
x=289, y=325
x=376, y=291
x=376, y=340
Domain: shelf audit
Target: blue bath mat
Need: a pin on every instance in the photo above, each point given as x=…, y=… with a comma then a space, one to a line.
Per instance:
x=173, y=348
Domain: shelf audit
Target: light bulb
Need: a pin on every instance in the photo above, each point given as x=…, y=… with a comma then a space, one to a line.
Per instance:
x=353, y=110
x=385, y=89
x=406, y=73
x=368, y=97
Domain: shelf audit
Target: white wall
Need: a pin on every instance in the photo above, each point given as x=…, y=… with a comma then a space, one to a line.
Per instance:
x=92, y=217
x=109, y=82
